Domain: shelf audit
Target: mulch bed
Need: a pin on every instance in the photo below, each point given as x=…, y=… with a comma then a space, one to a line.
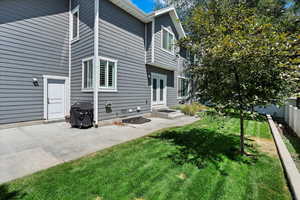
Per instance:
x=136, y=120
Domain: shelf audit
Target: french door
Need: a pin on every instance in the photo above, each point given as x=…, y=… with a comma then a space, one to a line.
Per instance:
x=159, y=89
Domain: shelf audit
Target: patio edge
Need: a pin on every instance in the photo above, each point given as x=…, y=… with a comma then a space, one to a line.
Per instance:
x=288, y=163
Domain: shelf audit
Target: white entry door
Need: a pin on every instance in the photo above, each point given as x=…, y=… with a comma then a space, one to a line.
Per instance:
x=56, y=99
x=159, y=89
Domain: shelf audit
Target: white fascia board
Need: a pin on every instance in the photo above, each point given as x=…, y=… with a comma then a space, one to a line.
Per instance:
x=129, y=7
x=174, y=16
x=177, y=23
x=163, y=11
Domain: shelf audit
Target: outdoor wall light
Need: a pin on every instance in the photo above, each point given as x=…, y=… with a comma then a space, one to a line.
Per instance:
x=35, y=82
x=108, y=107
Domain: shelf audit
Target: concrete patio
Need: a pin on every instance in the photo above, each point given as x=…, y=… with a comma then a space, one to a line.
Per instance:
x=25, y=150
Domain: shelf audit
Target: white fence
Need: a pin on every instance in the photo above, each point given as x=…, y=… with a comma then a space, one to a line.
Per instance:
x=292, y=117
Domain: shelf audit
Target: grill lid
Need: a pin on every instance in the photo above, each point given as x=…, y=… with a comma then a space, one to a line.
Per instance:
x=83, y=106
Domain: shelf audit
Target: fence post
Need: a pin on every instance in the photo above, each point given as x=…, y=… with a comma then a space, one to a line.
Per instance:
x=291, y=117
x=294, y=118
x=286, y=113
x=297, y=122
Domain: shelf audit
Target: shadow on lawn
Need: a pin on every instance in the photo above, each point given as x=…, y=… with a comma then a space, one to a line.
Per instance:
x=202, y=147
x=5, y=194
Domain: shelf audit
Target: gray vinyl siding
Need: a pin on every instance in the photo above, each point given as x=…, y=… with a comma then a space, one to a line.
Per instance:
x=122, y=38
x=171, y=83
x=34, y=39
x=161, y=57
x=149, y=43
x=81, y=49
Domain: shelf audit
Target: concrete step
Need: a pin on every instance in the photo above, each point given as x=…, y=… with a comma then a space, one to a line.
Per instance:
x=167, y=113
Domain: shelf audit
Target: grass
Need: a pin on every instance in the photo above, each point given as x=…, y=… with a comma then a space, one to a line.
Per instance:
x=198, y=161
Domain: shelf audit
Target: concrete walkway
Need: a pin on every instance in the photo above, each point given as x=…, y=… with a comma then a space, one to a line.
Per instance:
x=25, y=150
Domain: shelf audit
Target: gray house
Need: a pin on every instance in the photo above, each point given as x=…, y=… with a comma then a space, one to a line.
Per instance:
x=54, y=53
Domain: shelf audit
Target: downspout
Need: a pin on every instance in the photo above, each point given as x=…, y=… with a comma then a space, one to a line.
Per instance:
x=70, y=54
x=96, y=64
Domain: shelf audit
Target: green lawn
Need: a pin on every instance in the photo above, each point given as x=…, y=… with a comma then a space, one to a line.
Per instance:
x=198, y=161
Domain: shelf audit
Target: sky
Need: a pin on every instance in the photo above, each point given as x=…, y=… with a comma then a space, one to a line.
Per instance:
x=145, y=5
x=289, y=4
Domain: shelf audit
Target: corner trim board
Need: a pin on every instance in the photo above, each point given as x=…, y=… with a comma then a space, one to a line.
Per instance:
x=146, y=42
x=153, y=42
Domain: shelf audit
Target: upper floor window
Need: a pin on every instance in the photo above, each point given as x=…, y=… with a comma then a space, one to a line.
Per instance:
x=168, y=39
x=108, y=75
x=75, y=24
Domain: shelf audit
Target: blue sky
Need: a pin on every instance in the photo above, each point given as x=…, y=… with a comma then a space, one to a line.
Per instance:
x=289, y=4
x=145, y=5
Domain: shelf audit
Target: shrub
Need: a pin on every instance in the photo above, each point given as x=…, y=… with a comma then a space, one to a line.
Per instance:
x=191, y=109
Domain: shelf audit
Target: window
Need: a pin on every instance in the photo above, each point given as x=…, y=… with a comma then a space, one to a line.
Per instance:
x=182, y=88
x=108, y=74
x=108, y=69
x=75, y=24
x=87, y=78
x=168, y=40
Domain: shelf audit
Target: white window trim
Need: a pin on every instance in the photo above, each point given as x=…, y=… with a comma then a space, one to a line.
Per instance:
x=109, y=89
x=101, y=89
x=83, y=78
x=181, y=77
x=162, y=43
x=75, y=10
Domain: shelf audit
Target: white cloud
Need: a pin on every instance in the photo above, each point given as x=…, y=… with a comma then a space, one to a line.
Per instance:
x=162, y=2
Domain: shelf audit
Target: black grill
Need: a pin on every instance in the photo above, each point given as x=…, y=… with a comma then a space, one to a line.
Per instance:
x=81, y=115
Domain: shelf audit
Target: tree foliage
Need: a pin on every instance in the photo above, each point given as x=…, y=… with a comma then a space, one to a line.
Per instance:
x=245, y=60
x=275, y=8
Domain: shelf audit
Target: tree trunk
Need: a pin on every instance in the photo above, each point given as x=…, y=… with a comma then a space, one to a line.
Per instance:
x=242, y=146
x=238, y=86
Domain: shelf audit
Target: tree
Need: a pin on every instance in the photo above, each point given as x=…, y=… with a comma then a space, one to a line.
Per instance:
x=273, y=8
x=245, y=60
x=158, y=4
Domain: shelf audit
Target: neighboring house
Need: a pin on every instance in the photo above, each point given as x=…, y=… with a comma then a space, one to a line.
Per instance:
x=48, y=49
